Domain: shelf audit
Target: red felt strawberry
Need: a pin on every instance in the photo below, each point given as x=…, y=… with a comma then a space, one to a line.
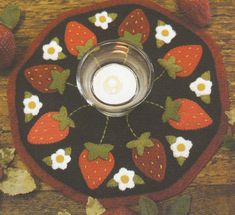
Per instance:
x=135, y=28
x=47, y=78
x=79, y=39
x=185, y=114
x=9, y=18
x=182, y=60
x=119, y=211
x=198, y=11
x=149, y=156
x=96, y=162
x=51, y=128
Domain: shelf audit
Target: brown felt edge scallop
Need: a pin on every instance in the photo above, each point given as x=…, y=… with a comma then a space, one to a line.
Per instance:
x=174, y=189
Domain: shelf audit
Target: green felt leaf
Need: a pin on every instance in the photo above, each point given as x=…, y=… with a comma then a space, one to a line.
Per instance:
x=68, y=150
x=92, y=19
x=160, y=23
x=63, y=212
x=134, y=39
x=17, y=181
x=27, y=95
x=143, y=141
x=181, y=206
x=94, y=207
x=228, y=142
x=111, y=183
x=181, y=161
x=159, y=43
x=28, y=117
x=61, y=56
x=138, y=180
x=171, y=139
x=59, y=80
x=148, y=206
x=231, y=116
x=170, y=66
x=206, y=99
x=206, y=75
x=171, y=110
x=113, y=16
x=56, y=39
x=10, y=16
x=47, y=161
x=63, y=118
x=6, y=156
x=98, y=150
x=83, y=49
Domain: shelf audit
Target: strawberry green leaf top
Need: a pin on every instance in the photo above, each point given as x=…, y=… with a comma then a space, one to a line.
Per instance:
x=170, y=66
x=62, y=117
x=83, y=49
x=171, y=110
x=10, y=16
x=140, y=144
x=59, y=80
x=98, y=150
x=134, y=39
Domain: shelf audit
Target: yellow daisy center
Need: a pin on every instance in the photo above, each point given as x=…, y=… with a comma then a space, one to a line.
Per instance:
x=124, y=179
x=165, y=33
x=102, y=19
x=181, y=147
x=59, y=158
x=51, y=50
x=201, y=87
x=32, y=105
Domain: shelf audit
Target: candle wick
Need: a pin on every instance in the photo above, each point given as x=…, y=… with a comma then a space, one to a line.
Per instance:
x=130, y=128
x=155, y=104
x=80, y=108
x=105, y=129
x=160, y=76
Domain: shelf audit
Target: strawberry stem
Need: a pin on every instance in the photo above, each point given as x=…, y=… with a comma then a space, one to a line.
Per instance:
x=155, y=104
x=130, y=128
x=160, y=76
x=80, y=108
x=105, y=129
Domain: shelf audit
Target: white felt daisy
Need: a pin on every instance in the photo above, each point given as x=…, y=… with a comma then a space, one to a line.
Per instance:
x=181, y=147
x=125, y=179
x=52, y=51
x=201, y=87
x=165, y=33
x=32, y=105
x=102, y=20
x=60, y=160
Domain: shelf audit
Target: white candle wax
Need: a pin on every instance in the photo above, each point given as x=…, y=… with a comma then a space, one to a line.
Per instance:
x=114, y=84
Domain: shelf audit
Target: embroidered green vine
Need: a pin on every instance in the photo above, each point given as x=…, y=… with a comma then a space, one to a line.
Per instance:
x=160, y=76
x=80, y=108
x=70, y=84
x=105, y=129
x=155, y=104
x=130, y=128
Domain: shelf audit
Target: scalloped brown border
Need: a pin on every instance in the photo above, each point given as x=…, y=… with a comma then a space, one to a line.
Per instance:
x=174, y=189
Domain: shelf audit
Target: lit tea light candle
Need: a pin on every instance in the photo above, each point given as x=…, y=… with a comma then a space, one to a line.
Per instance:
x=114, y=84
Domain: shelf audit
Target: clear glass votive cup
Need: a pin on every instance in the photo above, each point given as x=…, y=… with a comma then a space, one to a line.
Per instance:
x=115, y=77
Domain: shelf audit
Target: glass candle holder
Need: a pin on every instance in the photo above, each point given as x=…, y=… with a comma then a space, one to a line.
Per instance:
x=115, y=77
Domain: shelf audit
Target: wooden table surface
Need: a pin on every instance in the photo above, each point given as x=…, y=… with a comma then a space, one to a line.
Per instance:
x=213, y=191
